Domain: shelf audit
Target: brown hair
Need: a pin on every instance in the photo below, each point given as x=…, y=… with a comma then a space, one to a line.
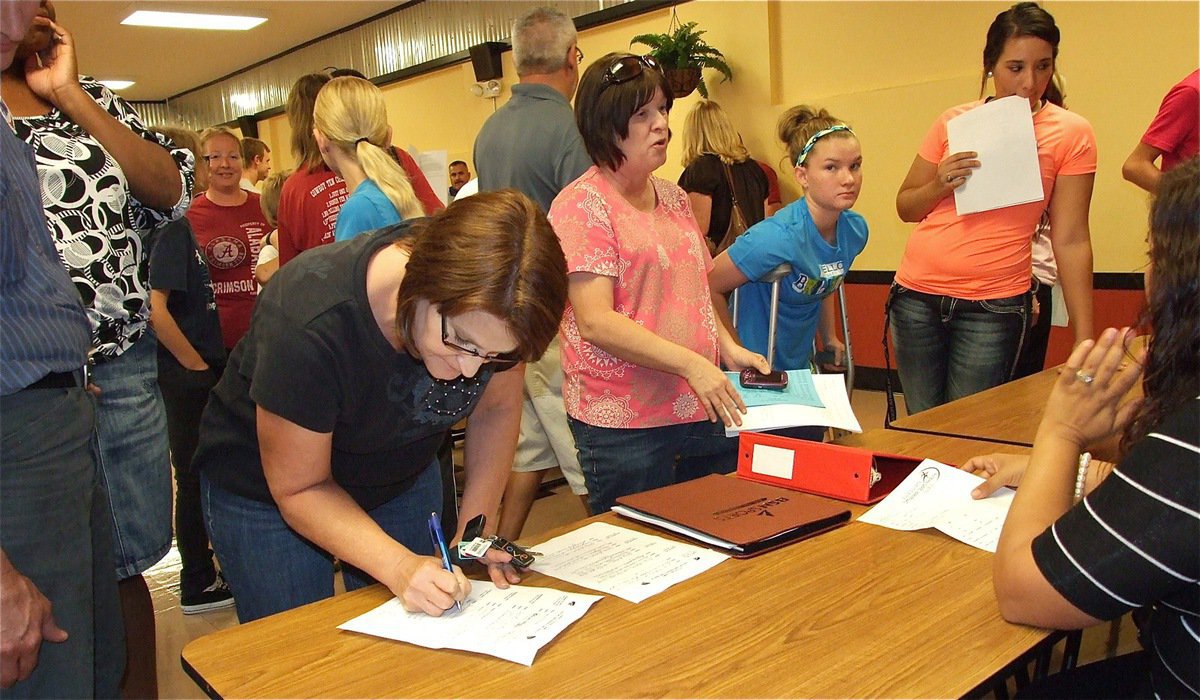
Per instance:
x=1172, y=366
x=602, y=111
x=300, y=103
x=798, y=124
x=1022, y=19
x=253, y=148
x=493, y=252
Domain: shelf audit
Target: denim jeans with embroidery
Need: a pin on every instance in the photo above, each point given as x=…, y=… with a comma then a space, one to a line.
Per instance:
x=948, y=348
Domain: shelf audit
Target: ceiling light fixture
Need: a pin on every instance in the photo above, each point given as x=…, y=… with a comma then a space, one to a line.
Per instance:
x=191, y=20
x=116, y=84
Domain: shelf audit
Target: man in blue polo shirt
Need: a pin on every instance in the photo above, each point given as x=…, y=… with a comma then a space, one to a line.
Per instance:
x=55, y=546
x=532, y=144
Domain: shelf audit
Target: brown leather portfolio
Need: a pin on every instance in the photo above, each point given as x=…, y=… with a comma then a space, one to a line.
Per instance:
x=743, y=517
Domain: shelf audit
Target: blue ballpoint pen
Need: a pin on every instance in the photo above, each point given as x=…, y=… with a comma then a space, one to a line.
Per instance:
x=439, y=543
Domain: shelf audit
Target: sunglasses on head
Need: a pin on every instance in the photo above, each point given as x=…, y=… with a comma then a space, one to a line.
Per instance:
x=627, y=68
x=500, y=361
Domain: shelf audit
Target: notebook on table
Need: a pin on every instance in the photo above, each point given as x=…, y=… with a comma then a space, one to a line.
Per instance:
x=743, y=518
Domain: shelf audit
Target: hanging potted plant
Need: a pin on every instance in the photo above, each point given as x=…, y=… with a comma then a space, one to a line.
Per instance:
x=683, y=54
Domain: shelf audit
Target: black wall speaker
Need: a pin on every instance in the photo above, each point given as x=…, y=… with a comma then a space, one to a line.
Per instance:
x=485, y=59
x=248, y=126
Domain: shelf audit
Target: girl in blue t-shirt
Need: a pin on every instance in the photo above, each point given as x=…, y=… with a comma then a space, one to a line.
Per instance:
x=817, y=235
x=351, y=129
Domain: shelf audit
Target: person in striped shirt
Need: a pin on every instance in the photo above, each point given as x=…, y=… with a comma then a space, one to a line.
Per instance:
x=1133, y=541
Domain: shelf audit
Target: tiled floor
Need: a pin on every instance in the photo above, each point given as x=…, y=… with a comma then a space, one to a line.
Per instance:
x=560, y=507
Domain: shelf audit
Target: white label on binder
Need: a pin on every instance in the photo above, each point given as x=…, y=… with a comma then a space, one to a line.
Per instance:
x=772, y=461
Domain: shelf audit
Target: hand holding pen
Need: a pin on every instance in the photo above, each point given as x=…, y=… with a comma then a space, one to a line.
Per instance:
x=426, y=585
x=439, y=547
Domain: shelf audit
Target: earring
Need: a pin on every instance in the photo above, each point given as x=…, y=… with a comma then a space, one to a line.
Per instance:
x=989, y=74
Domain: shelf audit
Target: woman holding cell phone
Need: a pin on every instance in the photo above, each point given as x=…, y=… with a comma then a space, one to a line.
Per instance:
x=817, y=235
x=646, y=398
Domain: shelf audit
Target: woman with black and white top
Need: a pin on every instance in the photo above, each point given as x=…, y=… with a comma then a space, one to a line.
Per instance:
x=1132, y=538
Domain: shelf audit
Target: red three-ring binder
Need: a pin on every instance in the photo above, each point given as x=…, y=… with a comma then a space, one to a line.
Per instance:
x=845, y=473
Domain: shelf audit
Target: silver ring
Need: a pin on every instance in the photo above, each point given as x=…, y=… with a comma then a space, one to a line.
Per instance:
x=949, y=179
x=1084, y=377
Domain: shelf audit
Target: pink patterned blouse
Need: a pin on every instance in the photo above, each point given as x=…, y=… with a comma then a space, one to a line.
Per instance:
x=659, y=265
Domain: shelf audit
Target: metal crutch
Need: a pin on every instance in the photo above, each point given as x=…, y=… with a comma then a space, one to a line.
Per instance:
x=841, y=293
x=774, y=277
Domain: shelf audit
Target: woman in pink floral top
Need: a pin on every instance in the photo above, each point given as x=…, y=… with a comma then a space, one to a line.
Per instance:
x=645, y=395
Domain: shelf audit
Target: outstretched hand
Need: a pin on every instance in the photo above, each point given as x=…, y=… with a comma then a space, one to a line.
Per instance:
x=718, y=396
x=999, y=470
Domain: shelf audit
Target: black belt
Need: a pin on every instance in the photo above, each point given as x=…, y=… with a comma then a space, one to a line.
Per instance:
x=57, y=380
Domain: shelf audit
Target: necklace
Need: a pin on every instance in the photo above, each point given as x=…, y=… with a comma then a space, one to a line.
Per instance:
x=450, y=398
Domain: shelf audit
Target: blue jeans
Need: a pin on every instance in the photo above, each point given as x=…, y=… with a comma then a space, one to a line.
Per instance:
x=948, y=348
x=270, y=568
x=133, y=457
x=622, y=461
x=55, y=529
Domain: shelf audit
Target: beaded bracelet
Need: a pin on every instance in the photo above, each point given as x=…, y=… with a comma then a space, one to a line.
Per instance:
x=1085, y=460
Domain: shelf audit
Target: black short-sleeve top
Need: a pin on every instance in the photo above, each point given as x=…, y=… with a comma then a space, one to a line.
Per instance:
x=1135, y=542
x=315, y=356
x=706, y=176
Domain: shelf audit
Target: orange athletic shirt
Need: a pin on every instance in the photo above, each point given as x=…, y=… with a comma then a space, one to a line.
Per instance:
x=986, y=255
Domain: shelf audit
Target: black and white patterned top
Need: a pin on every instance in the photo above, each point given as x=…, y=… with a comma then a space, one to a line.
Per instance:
x=100, y=230
x=1135, y=542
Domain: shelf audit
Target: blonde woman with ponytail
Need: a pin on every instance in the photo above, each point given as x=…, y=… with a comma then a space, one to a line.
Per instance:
x=352, y=134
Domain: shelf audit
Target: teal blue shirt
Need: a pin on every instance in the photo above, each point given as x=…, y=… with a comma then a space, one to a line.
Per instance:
x=818, y=269
x=367, y=209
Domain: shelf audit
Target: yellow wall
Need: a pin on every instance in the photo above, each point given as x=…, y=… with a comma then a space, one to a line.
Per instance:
x=887, y=68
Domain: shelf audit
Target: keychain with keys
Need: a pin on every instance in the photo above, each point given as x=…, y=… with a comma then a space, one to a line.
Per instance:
x=475, y=545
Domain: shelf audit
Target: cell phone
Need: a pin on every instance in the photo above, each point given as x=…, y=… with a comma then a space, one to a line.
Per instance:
x=474, y=527
x=753, y=379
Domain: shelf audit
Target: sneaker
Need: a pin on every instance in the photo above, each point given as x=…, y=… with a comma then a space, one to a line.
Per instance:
x=214, y=597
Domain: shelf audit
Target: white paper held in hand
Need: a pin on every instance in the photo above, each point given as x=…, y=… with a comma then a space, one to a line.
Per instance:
x=1001, y=132
x=939, y=496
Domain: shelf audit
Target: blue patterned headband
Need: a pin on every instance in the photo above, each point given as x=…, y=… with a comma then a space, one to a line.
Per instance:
x=817, y=137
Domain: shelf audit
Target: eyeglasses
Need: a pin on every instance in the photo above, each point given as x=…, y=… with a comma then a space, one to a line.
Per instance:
x=215, y=157
x=627, y=68
x=499, y=360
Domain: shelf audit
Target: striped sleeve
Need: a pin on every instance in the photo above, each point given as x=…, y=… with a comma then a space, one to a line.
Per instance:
x=1136, y=539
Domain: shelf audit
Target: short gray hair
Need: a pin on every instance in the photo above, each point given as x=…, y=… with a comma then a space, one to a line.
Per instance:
x=540, y=40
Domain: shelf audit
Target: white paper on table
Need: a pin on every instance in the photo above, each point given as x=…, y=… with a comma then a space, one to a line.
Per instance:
x=837, y=412
x=939, y=496
x=626, y=563
x=511, y=624
x=1001, y=132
